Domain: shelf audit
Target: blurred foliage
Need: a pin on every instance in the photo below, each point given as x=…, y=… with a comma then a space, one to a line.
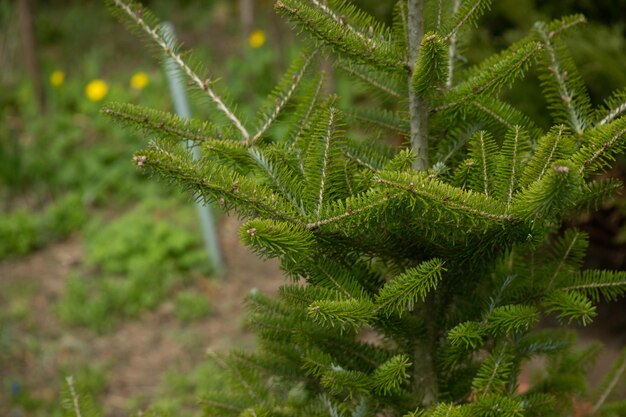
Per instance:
x=137, y=261
x=598, y=48
x=25, y=230
x=192, y=306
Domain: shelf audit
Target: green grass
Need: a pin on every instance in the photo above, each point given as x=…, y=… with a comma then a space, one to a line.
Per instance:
x=191, y=306
x=132, y=264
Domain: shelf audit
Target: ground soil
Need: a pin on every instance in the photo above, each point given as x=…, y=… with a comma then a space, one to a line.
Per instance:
x=137, y=353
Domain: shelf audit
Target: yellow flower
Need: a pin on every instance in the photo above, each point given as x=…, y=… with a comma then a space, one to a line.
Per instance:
x=96, y=90
x=139, y=81
x=57, y=78
x=256, y=39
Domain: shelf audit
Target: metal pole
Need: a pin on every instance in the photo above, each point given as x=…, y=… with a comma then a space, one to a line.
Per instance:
x=181, y=106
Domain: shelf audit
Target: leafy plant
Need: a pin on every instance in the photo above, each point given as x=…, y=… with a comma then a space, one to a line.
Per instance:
x=191, y=306
x=25, y=230
x=418, y=274
x=139, y=259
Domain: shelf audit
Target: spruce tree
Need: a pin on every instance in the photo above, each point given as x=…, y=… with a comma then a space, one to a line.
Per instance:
x=416, y=275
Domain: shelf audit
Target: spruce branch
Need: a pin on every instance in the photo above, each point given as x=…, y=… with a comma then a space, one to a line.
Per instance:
x=390, y=376
x=381, y=118
x=353, y=208
x=568, y=90
x=304, y=114
x=490, y=76
x=161, y=123
x=155, y=34
x=468, y=13
x=504, y=115
x=430, y=72
x=603, y=143
x=74, y=396
x=569, y=250
x=513, y=154
x=347, y=315
x=381, y=82
x=610, y=381
x=556, y=144
x=462, y=202
x=483, y=147
x=571, y=306
x=613, y=114
x=417, y=108
x=597, y=284
x=614, y=107
x=556, y=192
x=324, y=161
x=413, y=285
x=216, y=183
x=596, y=193
x=493, y=374
x=284, y=92
x=287, y=181
x=371, y=47
x=272, y=239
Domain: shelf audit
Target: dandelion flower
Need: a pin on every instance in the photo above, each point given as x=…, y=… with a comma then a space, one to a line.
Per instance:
x=96, y=90
x=256, y=39
x=139, y=81
x=57, y=78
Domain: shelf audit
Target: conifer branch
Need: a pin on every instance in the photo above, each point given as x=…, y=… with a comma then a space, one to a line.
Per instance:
x=321, y=21
x=350, y=212
x=549, y=149
x=615, y=375
x=283, y=99
x=360, y=161
x=214, y=183
x=417, y=108
x=596, y=284
x=405, y=290
x=325, y=160
x=511, y=160
x=491, y=75
x=337, y=285
x=480, y=106
x=279, y=178
x=381, y=118
x=602, y=144
x=338, y=20
x=614, y=107
x=161, y=122
x=368, y=78
x=74, y=396
x=470, y=13
x=156, y=36
x=484, y=164
x=566, y=94
x=613, y=114
x=562, y=261
x=304, y=120
x=447, y=201
x=493, y=373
